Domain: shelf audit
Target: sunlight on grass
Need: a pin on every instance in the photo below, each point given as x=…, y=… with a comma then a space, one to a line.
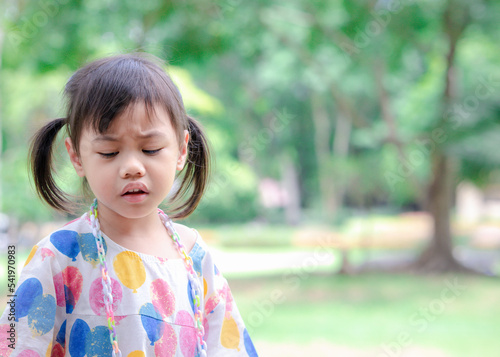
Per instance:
x=456, y=314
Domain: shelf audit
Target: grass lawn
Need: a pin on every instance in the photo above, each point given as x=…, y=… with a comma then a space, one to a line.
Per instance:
x=386, y=314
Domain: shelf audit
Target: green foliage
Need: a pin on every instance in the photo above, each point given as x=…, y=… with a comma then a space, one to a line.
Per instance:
x=29, y=100
x=231, y=196
x=244, y=66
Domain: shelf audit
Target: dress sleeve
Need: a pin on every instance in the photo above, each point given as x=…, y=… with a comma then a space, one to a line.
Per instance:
x=225, y=331
x=28, y=323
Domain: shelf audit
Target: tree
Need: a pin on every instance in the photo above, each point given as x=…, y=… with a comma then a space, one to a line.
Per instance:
x=376, y=42
x=438, y=256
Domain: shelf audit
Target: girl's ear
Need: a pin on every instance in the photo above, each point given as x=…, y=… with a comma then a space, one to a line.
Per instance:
x=183, y=152
x=75, y=159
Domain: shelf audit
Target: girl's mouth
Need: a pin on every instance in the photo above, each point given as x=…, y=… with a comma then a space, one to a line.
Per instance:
x=134, y=192
x=135, y=196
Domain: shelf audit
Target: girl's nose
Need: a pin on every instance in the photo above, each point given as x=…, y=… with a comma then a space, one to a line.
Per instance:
x=132, y=166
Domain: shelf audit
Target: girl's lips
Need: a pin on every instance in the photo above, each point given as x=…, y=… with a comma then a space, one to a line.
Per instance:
x=134, y=186
x=135, y=192
x=135, y=197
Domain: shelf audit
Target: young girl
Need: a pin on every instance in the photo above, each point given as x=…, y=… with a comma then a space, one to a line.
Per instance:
x=123, y=280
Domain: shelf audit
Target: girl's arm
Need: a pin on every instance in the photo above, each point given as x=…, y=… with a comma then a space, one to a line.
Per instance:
x=225, y=331
x=28, y=323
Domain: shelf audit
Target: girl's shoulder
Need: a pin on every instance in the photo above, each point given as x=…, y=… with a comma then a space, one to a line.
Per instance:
x=67, y=233
x=59, y=247
x=189, y=237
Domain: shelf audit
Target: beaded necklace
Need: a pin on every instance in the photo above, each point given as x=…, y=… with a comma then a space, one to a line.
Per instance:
x=106, y=281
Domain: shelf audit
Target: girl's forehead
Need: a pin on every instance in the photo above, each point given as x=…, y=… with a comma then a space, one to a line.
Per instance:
x=140, y=117
x=137, y=122
x=142, y=114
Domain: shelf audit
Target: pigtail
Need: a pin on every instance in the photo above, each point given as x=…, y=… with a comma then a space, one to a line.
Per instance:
x=41, y=165
x=197, y=170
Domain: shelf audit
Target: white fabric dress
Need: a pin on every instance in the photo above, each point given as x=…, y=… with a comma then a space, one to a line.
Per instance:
x=59, y=306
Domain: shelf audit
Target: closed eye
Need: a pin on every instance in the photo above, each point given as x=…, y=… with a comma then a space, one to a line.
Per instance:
x=108, y=155
x=151, y=152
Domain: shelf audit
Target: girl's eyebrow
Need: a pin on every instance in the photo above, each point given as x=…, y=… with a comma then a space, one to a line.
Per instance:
x=104, y=138
x=147, y=135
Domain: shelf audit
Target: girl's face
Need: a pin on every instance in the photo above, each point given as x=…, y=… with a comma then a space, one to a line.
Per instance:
x=131, y=168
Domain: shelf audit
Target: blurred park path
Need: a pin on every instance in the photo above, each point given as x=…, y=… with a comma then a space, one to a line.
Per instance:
x=327, y=349
x=270, y=262
x=383, y=241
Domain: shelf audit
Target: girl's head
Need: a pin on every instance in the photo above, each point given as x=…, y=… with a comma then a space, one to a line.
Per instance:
x=126, y=123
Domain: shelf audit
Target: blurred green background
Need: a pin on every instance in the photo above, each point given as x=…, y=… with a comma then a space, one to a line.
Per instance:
x=355, y=198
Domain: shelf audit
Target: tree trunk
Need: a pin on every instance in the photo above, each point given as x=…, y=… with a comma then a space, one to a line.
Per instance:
x=341, y=150
x=322, y=131
x=290, y=181
x=343, y=127
x=332, y=184
x=438, y=256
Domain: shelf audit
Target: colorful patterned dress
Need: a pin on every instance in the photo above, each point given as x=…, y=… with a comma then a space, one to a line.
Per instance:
x=60, y=309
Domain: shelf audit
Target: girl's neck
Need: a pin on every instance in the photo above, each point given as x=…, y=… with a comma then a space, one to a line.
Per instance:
x=146, y=235
x=120, y=228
